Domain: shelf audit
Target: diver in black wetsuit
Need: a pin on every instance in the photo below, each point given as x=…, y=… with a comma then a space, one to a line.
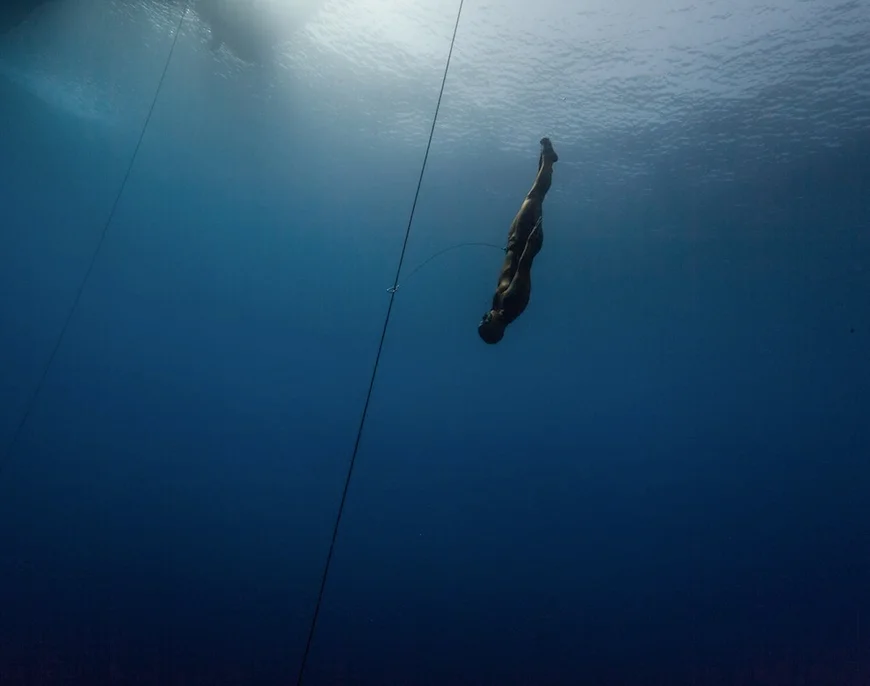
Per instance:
x=525, y=239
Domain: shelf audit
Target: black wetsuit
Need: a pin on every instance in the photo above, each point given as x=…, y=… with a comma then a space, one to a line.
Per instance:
x=525, y=240
x=515, y=281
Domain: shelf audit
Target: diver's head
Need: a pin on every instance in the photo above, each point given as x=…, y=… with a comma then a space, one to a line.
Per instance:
x=491, y=327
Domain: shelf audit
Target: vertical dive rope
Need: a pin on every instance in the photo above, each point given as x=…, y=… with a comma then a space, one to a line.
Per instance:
x=77, y=299
x=365, y=410
x=4, y=460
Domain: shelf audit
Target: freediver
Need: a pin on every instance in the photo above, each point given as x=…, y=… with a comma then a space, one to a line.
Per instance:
x=525, y=239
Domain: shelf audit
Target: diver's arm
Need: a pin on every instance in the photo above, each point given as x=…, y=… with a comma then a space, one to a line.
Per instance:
x=515, y=297
x=525, y=261
x=498, y=298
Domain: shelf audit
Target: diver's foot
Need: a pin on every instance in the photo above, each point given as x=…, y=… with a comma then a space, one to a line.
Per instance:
x=547, y=151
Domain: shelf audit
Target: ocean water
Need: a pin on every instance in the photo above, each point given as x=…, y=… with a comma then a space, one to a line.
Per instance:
x=659, y=477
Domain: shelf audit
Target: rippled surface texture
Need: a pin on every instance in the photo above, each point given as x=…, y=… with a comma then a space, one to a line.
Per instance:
x=660, y=475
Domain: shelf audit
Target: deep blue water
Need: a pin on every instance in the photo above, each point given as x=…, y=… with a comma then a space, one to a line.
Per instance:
x=660, y=476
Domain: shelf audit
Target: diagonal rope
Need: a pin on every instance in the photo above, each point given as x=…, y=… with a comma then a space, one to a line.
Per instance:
x=359, y=433
x=4, y=461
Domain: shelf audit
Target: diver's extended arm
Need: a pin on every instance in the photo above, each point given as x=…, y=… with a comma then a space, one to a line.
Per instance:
x=530, y=249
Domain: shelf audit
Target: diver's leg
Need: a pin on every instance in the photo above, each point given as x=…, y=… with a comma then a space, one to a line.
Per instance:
x=544, y=179
x=531, y=211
